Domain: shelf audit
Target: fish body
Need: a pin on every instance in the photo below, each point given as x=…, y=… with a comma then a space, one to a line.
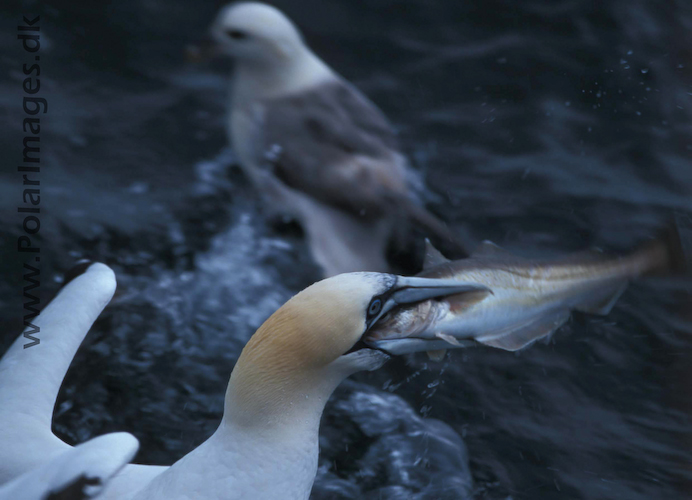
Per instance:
x=524, y=300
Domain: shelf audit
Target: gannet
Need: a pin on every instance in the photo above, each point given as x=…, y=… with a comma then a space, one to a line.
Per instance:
x=77, y=473
x=266, y=446
x=314, y=146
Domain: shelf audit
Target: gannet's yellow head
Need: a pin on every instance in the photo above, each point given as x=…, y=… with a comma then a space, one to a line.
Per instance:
x=306, y=348
x=320, y=324
x=256, y=33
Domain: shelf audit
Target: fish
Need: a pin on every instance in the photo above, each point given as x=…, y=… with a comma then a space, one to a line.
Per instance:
x=519, y=300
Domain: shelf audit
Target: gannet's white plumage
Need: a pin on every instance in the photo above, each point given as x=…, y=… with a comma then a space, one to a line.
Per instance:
x=266, y=446
x=76, y=473
x=313, y=145
x=30, y=378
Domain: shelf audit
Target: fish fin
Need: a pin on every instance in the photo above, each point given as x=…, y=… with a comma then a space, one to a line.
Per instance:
x=487, y=247
x=523, y=335
x=448, y=338
x=433, y=256
x=437, y=355
x=461, y=301
x=602, y=302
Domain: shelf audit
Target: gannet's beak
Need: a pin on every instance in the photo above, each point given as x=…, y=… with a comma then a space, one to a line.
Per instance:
x=411, y=290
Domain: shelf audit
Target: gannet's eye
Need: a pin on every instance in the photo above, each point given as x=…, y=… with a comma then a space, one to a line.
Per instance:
x=236, y=34
x=375, y=307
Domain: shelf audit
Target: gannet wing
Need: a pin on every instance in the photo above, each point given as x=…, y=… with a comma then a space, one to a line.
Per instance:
x=78, y=473
x=31, y=375
x=331, y=142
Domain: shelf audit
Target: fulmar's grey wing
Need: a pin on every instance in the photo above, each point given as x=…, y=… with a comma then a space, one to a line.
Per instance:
x=76, y=474
x=331, y=143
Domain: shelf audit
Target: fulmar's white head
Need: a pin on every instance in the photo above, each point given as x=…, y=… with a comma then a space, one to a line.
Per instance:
x=267, y=48
x=256, y=33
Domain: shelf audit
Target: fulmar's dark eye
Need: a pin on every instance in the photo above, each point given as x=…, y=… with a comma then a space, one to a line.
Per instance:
x=375, y=307
x=236, y=34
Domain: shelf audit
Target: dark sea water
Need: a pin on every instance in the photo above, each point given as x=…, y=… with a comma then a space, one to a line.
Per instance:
x=546, y=126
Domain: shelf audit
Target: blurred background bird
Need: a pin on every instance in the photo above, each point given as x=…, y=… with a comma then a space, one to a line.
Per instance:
x=316, y=148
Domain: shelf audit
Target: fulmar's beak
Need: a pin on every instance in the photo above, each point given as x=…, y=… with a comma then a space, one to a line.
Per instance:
x=411, y=290
x=203, y=51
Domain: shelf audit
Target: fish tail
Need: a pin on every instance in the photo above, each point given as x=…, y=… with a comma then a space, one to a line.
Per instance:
x=670, y=254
